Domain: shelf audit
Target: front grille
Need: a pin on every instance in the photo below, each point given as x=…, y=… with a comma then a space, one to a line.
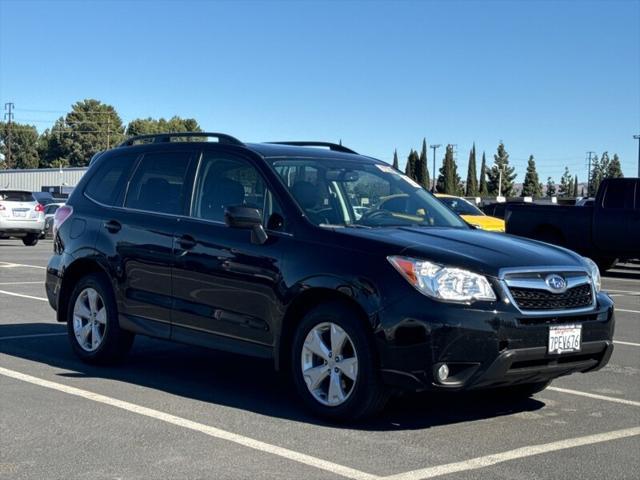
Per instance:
x=535, y=299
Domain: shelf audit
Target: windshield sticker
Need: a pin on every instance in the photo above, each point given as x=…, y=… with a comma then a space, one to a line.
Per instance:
x=388, y=169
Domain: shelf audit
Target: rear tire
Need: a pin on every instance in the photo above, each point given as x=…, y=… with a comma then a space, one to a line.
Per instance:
x=350, y=387
x=30, y=240
x=92, y=322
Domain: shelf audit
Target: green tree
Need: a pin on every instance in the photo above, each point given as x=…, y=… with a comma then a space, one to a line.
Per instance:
x=595, y=177
x=614, y=169
x=410, y=169
x=575, y=187
x=501, y=164
x=424, y=178
x=449, y=180
x=531, y=186
x=395, y=159
x=23, y=140
x=566, y=184
x=90, y=126
x=484, y=188
x=551, y=187
x=472, y=178
x=147, y=126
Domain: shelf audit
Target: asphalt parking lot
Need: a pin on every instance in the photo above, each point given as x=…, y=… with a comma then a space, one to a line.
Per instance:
x=173, y=411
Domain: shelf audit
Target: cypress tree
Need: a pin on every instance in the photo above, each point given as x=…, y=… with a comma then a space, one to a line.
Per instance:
x=575, y=186
x=595, y=178
x=395, y=159
x=410, y=167
x=531, y=186
x=472, y=178
x=551, y=187
x=449, y=180
x=614, y=169
x=484, y=190
x=501, y=163
x=566, y=184
x=425, y=179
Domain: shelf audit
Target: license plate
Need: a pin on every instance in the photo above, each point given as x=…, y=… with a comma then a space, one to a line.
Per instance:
x=565, y=338
x=20, y=213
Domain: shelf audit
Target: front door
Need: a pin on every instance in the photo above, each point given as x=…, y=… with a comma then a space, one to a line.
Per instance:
x=223, y=284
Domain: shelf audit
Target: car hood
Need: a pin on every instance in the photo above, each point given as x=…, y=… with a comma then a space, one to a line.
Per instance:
x=475, y=250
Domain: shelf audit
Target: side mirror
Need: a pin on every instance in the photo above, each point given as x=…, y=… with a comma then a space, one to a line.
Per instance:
x=239, y=216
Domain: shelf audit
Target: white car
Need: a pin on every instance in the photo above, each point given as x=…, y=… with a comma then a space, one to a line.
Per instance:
x=20, y=216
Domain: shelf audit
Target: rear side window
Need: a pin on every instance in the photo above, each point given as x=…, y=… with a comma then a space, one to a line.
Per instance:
x=107, y=183
x=158, y=184
x=619, y=194
x=16, y=196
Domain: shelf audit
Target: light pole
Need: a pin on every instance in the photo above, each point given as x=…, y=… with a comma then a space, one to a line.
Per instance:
x=499, y=181
x=637, y=137
x=433, y=173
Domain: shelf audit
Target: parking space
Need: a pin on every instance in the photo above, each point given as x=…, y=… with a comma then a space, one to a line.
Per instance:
x=173, y=411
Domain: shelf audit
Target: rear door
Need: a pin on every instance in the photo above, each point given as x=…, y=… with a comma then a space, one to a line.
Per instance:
x=139, y=238
x=615, y=221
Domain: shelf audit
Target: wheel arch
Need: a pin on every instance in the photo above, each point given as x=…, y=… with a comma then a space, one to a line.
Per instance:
x=72, y=273
x=303, y=303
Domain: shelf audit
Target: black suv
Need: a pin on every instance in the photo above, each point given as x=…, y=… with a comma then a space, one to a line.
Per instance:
x=332, y=264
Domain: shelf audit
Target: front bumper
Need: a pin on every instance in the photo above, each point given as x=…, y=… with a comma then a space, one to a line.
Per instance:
x=483, y=347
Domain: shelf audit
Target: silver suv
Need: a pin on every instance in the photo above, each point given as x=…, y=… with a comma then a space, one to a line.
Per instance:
x=20, y=216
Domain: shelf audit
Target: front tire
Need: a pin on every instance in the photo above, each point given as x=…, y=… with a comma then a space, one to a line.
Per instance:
x=30, y=240
x=92, y=322
x=334, y=365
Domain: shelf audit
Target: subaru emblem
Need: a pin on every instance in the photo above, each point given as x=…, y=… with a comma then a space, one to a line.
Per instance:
x=556, y=283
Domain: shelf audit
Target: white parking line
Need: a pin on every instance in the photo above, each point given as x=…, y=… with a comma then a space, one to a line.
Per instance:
x=13, y=294
x=629, y=311
x=21, y=283
x=613, y=279
x=630, y=344
x=595, y=396
x=33, y=335
x=15, y=265
x=488, y=460
x=622, y=291
x=199, y=427
x=420, y=474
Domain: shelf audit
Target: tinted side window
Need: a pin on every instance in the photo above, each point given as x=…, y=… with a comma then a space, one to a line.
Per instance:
x=158, y=183
x=619, y=194
x=225, y=181
x=108, y=181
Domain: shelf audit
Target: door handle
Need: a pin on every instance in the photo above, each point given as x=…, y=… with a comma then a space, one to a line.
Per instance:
x=112, y=226
x=186, y=242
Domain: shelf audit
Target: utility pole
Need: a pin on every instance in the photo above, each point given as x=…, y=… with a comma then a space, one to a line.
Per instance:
x=637, y=137
x=8, y=107
x=433, y=175
x=589, y=172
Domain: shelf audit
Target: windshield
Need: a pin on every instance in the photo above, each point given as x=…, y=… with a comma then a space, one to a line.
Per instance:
x=460, y=206
x=354, y=194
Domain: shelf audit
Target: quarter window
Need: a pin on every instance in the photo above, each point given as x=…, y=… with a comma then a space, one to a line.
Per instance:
x=158, y=184
x=108, y=181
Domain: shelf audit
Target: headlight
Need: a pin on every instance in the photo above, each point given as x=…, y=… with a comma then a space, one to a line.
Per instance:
x=443, y=283
x=595, y=273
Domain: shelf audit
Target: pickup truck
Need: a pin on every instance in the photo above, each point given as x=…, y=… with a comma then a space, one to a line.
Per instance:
x=607, y=232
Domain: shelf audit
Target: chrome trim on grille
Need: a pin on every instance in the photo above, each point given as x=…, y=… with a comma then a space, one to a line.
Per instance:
x=577, y=276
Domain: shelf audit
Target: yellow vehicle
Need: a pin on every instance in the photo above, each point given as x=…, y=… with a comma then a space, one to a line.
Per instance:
x=472, y=214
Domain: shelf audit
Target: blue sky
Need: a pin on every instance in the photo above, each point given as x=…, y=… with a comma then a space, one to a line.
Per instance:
x=552, y=79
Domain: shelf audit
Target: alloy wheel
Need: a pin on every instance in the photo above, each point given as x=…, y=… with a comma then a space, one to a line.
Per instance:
x=89, y=319
x=329, y=364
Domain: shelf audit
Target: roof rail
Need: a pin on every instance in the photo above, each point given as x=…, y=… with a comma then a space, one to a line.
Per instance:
x=332, y=146
x=166, y=137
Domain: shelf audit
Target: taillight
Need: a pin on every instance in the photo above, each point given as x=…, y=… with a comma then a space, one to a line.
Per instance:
x=60, y=217
x=39, y=207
